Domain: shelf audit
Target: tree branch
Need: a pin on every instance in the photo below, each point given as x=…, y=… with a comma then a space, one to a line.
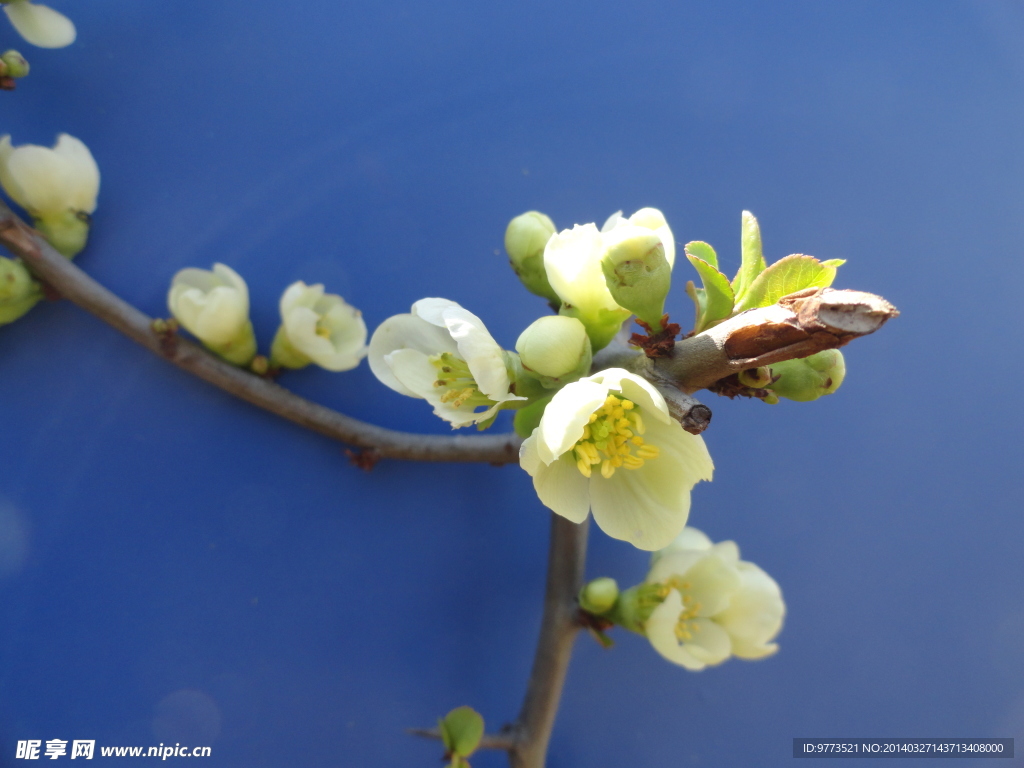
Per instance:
x=567, y=554
x=798, y=326
x=72, y=283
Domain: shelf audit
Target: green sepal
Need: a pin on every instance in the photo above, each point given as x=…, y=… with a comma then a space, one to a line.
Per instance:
x=528, y=418
x=789, y=275
x=461, y=731
x=18, y=291
x=240, y=350
x=752, y=261
x=602, y=325
x=283, y=354
x=66, y=231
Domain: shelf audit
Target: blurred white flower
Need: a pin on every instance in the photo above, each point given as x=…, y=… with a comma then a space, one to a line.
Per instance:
x=606, y=443
x=715, y=605
x=444, y=354
x=39, y=24
x=47, y=181
x=214, y=306
x=321, y=327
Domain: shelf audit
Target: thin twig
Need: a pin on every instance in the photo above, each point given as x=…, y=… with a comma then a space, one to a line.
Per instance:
x=72, y=283
x=499, y=741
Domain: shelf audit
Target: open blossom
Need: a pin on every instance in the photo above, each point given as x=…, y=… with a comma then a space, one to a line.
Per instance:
x=322, y=328
x=606, y=443
x=40, y=24
x=213, y=305
x=48, y=182
x=444, y=354
x=715, y=605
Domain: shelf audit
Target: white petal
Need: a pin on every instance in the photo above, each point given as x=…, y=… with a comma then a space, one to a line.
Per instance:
x=708, y=643
x=635, y=388
x=713, y=582
x=82, y=173
x=211, y=304
x=572, y=260
x=305, y=309
x=613, y=221
x=405, y=332
x=648, y=507
x=40, y=24
x=559, y=485
x=564, y=417
x=412, y=370
x=673, y=563
x=690, y=539
x=480, y=351
x=755, y=614
x=661, y=632
x=37, y=179
x=653, y=219
x=432, y=310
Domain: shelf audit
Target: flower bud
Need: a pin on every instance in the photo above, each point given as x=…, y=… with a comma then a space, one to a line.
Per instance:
x=525, y=239
x=756, y=378
x=213, y=305
x=320, y=328
x=13, y=64
x=555, y=350
x=18, y=291
x=811, y=377
x=599, y=595
x=461, y=731
x=636, y=271
x=58, y=188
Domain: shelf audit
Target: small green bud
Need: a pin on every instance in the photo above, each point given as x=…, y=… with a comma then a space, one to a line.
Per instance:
x=811, y=377
x=555, y=350
x=13, y=64
x=637, y=273
x=757, y=378
x=771, y=399
x=525, y=238
x=461, y=731
x=599, y=595
x=67, y=231
x=18, y=291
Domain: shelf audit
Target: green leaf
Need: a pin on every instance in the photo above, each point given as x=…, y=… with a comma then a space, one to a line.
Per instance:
x=752, y=263
x=702, y=251
x=461, y=731
x=786, y=276
x=833, y=263
x=716, y=303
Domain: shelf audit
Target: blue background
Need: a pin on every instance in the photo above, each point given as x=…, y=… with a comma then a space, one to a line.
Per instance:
x=178, y=566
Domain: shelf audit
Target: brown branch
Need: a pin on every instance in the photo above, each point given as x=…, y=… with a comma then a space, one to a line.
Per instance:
x=72, y=283
x=799, y=325
x=567, y=554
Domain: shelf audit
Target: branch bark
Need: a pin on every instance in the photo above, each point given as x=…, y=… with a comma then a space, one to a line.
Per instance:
x=72, y=283
x=798, y=326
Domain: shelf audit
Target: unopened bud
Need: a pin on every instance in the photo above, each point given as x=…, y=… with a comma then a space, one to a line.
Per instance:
x=811, y=377
x=555, y=350
x=525, y=238
x=18, y=291
x=637, y=273
x=599, y=596
x=756, y=378
x=13, y=64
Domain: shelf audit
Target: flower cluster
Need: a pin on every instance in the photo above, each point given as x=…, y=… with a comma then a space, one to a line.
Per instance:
x=602, y=443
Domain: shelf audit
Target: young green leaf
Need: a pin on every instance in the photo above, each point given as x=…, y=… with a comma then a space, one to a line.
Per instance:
x=786, y=276
x=752, y=263
x=461, y=731
x=718, y=297
x=702, y=251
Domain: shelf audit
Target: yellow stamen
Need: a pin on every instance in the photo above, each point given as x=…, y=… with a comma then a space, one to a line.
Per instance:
x=611, y=439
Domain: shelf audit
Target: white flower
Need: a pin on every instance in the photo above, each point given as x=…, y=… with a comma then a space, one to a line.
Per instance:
x=214, y=306
x=40, y=24
x=572, y=260
x=50, y=182
x=444, y=354
x=323, y=327
x=588, y=454
x=648, y=218
x=716, y=605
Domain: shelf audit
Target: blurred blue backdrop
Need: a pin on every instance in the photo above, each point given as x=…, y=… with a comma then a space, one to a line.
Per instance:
x=178, y=566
